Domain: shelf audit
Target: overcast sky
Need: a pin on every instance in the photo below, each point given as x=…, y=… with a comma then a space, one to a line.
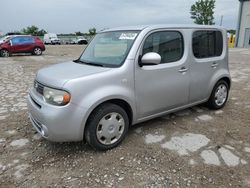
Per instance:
x=66, y=16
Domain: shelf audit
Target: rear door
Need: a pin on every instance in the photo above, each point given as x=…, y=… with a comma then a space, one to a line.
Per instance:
x=207, y=48
x=166, y=85
x=28, y=43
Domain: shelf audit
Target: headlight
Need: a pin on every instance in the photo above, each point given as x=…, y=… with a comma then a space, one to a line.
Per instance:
x=55, y=96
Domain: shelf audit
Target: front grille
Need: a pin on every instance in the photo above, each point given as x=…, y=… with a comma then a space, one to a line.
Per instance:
x=39, y=87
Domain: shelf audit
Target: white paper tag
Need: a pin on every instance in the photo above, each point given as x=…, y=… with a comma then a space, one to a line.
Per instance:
x=128, y=36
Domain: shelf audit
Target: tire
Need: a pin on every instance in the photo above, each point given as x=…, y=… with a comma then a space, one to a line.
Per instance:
x=37, y=51
x=219, y=95
x=4, y=53
x=106, y=127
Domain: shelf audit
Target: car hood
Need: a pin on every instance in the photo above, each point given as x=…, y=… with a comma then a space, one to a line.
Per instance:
x=57, y=75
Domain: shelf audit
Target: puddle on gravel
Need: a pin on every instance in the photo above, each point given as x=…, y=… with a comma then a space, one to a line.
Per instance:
x=19, y=170
x=19, y=143
x=247, y=149
x=11, y=132
x=228, y=157
x=218, y=112
x=210, y=157
x=151, y=139
x=189, y=142
x=205, y=117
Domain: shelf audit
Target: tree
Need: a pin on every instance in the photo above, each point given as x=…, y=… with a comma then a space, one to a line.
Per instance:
x=41, y=32
x=92, y=31
x=232, y=31
x=202, y=12
x=78, y=33
x=33, y=30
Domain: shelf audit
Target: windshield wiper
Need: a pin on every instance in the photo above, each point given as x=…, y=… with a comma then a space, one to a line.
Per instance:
x=88, y=63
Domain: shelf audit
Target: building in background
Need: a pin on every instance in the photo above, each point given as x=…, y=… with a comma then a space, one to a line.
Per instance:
x=243, y=25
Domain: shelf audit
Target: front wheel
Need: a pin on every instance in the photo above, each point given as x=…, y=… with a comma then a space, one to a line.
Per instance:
x=4, y=53
x=106, y=127
x=37, y=51
x=219, y=95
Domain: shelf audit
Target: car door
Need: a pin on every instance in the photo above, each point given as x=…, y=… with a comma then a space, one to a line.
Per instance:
x=18, y=44
x=27, y=43
x=161, y=87
x=207, y=47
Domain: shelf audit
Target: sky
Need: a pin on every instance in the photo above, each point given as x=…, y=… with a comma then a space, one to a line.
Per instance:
x=69, y=16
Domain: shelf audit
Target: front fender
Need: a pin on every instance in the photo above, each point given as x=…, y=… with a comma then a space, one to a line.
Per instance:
x=103, y=94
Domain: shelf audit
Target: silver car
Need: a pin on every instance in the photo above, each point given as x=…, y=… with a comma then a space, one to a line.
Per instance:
x=129, y=75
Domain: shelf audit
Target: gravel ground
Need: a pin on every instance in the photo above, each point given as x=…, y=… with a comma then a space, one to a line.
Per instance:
x=195, y=147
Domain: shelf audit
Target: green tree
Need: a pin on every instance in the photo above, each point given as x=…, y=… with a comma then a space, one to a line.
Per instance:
x=41, y=32
x=232, y=31
x=78, y=33
x=92, y=31
x=33, y=30
x=202, y=12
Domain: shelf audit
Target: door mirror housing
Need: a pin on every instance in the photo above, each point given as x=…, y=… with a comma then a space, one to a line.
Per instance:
x=150, y=58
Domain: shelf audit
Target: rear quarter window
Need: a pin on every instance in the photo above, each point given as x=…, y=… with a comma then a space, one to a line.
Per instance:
x=207, y=43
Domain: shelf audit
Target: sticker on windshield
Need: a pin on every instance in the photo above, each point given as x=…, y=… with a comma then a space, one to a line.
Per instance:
x=128, y=36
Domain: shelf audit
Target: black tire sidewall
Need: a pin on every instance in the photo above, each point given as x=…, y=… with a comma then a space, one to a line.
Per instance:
x=95, y=117
x=211, y=103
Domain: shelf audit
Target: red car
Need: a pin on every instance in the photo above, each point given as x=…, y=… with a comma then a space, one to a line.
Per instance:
x=22, y=44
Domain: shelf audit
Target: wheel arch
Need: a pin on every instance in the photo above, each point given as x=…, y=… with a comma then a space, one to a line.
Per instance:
x=118, y=101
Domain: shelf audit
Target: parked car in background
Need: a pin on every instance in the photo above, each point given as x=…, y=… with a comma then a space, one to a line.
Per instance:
x=22, y=44
x=51, y=38
x=129, y=75
x=79, y=40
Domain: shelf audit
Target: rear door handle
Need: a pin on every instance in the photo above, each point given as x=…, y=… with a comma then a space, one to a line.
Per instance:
x=183, y=69
x=214, y=65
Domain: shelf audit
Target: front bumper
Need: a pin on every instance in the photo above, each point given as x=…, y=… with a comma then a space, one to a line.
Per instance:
x=55, y=123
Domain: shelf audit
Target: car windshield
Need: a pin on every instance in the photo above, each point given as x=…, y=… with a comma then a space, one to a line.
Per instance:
x=109, y=48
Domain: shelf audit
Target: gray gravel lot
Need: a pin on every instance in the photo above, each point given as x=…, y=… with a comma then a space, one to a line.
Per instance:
x=195, y=147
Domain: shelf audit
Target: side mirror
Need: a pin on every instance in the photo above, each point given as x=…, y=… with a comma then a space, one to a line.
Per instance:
x=150, y=58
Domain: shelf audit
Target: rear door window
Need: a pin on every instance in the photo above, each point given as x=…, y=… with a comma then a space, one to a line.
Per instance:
x=207, y=44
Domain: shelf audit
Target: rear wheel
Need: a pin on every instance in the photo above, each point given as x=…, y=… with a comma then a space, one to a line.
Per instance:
x=219, y=95
x=37, y=51
x=4, y=53
x=107, y=127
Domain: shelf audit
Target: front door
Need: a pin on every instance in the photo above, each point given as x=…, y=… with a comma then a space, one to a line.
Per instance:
x=247, y=38
x=166, y=85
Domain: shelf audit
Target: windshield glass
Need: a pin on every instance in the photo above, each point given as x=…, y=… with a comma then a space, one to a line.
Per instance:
x=109, y=48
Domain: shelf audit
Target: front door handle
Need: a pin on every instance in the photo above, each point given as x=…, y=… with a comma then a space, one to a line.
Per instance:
x=183, y=69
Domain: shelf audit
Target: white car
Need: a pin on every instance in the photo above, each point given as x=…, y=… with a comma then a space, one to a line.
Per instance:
x=79, y=40
x=51, y=38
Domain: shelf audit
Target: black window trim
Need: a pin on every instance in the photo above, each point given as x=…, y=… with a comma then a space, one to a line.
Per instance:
x=200, y=58
x=167, y=30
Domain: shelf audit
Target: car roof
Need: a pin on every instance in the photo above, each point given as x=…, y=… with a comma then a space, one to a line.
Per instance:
x=167, y=26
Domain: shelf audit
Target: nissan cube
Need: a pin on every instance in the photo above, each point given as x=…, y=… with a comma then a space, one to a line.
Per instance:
x=129, y=75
